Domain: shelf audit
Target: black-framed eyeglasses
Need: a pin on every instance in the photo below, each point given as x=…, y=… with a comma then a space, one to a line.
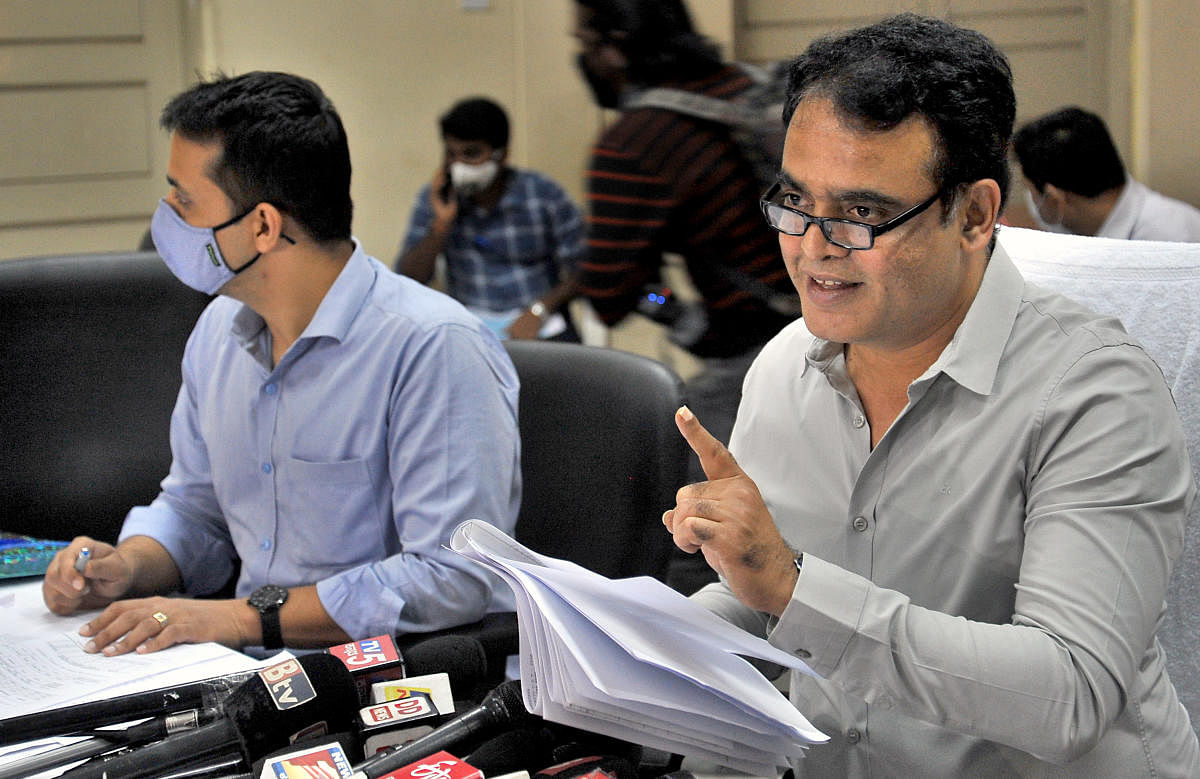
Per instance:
x=846, y=233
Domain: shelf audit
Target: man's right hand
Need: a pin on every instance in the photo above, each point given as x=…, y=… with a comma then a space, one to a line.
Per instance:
x=727, y=521
x=106, y=577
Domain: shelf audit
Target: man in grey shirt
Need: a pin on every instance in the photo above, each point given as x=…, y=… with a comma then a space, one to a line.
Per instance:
x=958, y=497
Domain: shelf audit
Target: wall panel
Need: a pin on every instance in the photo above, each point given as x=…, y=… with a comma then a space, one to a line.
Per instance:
x=81, y=84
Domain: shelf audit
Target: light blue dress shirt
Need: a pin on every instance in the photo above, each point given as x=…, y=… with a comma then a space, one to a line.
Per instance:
x=390, y=420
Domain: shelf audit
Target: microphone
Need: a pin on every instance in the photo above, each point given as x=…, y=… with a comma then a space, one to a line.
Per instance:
x=371, y=660
x=513, y=750
x=122, y=708
x=376, y=660
x=265, y=713
x=402, y=710
x=463, y=655
x=461, y=658
x=439, y=765
x=500, y=708
x=108, y=740
x=394, y=723
x=549, y=744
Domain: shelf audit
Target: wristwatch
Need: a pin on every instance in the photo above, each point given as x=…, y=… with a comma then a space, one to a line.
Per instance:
x=268, y=599
x=538, y=309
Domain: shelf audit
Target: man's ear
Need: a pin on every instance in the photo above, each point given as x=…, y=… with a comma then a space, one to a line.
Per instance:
x=268, y=227
x=610, y=52
x=1055, y=199
x=980, y=209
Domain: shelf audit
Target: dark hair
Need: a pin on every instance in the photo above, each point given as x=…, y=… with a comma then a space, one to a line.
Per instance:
x=1071, y=149
x=281, y=142
x=477, y=119
x=656, y=37
x=879, y=75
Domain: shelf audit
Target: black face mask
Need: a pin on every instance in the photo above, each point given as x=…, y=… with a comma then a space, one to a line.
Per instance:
x=604, y=92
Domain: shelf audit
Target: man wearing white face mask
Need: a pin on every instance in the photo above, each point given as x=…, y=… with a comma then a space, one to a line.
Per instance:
x=1078, y=184
x=325, y=440
x=511, y=238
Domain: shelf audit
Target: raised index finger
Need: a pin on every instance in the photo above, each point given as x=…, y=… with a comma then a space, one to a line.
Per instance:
x=715, y=459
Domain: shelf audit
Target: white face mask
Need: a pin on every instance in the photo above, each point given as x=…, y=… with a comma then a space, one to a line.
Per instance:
x=1035, y=212
x=469, y=179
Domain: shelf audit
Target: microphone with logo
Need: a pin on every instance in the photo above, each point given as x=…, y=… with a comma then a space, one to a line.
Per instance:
x=298, y=697
x=444, y=671
x=423, y=657
x=501, y=708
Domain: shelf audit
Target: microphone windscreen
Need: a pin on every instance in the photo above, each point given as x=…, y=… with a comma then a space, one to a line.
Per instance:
x=310, y=694
x=462, y=658
x=513, y=750
x=507, y=698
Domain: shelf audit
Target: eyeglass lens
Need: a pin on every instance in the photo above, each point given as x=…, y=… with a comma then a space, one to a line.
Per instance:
x=850, y=235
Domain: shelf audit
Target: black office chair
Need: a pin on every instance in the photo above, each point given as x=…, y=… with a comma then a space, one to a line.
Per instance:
x=601, y=460
x=89, y=373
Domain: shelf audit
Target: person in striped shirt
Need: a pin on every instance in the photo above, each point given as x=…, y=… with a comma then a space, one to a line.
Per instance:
x=660, y=181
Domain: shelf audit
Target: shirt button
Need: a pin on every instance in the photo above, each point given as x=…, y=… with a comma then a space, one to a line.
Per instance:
x=803, y=654
x=265, y=544
x=859, y=420
x=860, y=524
x=270, y=389
x=266, y=468
x=853, y=735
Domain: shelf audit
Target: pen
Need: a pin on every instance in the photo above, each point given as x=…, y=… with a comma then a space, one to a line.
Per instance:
x=82, y=558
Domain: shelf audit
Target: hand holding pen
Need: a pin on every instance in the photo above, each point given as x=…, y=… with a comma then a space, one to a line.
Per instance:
x=77, y=577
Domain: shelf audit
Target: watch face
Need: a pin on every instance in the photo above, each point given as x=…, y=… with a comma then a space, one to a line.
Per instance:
x=268, y=596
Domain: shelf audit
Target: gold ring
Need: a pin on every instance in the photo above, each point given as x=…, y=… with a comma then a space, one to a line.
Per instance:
x=160, y=618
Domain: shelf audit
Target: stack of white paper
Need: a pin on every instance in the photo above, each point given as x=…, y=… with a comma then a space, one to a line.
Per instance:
x=633, y=659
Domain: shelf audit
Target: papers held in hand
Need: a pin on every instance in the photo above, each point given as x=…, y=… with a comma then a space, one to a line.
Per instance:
x=633, y=659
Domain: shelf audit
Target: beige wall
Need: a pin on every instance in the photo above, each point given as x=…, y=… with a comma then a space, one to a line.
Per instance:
x=1167, y=97
x=392, y=66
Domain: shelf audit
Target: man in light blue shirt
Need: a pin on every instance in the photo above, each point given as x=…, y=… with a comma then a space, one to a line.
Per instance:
x=336, y=421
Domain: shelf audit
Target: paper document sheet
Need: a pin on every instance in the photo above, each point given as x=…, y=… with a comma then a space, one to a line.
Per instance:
x=633, y=659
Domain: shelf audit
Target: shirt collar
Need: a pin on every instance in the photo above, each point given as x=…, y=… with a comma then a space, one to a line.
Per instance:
x=337, y=310
x=1121, y=219
x=972, y=358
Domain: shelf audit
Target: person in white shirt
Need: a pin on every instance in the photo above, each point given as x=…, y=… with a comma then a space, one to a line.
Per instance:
x=1078, y=184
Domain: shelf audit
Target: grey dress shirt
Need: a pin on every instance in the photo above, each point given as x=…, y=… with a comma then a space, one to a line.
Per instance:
x=981, y=591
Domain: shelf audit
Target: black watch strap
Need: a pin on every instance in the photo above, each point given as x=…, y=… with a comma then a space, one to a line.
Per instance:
x=268, y=600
